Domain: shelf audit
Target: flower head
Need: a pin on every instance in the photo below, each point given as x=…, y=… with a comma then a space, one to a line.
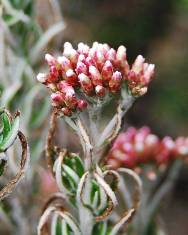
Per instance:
x=95, y=72
x=135, y=147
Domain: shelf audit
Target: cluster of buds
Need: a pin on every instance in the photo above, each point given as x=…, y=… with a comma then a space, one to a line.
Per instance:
x=135, y=147
x=93, y=71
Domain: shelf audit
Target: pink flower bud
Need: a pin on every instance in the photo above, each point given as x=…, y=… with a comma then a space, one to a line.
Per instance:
x=66, y=111
x=148, y=73
x=54, y=73
x=85, y=83
x=100, y=59
x=81, y=68
x=50, y=59
x=64, y=62
x=82, y=104
x=95, y=45
x=168, y=143
x=70, y=53
x=89, y=61
x=107, y=71
x=66, y=88
x=111, y=55
x=92, y=53
x=71, y=77
x=100, y=90
x=42, y=77
x=81, y=58
x=57, y=98
x=95, y=75
x=115, y=82
x=138, y=64
x=121, y=54
x=83, y=48
x=67, y=45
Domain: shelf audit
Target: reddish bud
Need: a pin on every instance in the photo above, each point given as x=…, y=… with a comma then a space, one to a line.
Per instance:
x=42, y=77
x=82, y=104
x=57, y=97
x=81, y=68
x=100, y=90
x=107, y=71
x=64, y=62
x=66, y=88
x=50, y=59
x=121, y=54
x=85, y=83
x=66, y=111
x=71, y=77
x=111, y=55
x=95, y=75
x=115, y=82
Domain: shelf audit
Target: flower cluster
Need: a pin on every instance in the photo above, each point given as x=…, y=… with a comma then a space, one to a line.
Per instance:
x=94, y=71
x=135, y=147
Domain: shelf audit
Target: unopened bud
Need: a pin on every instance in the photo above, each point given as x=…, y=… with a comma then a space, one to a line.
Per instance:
x=121, y=54
x=115, y=82
x=71, y=77
x=81, y=68
x=111, y=55
x=64, y=62
x=66, y=111
x=66, y=88
x=83, y=48
x=100, y=90
x=95, y=75
x=50, y=59
x=82, y=104
x=42, y=77
x=85, y=83
x=57, y=97
x=138, y=64
x=107, y=71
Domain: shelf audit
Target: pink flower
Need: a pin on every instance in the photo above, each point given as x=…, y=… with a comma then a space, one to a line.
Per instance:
x=135, y=147
x=94, y=71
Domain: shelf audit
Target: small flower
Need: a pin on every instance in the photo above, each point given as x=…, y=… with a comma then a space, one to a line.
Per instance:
x=94, y=71
x=139, y=76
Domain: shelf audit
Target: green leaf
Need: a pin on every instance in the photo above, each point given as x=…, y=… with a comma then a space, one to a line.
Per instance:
x=11, y=135
x=78, y=165
x=100, y=228
x=75, y=163
x=2, y=166
x=56, y=228
x=6, y=125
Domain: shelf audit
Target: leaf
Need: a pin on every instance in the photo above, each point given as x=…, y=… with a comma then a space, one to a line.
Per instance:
x=100, y=228
x=6, y=125
x=75, y=162
x=56, y=228
x=11, y=135
x=2, y=166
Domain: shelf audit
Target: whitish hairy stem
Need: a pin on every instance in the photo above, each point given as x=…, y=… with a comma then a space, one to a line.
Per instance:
x=83, y=195
x=86, y=143
x=124, y=106
x=94, y=113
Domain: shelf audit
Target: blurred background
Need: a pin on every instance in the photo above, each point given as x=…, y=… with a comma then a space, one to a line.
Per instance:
x=157, y=29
